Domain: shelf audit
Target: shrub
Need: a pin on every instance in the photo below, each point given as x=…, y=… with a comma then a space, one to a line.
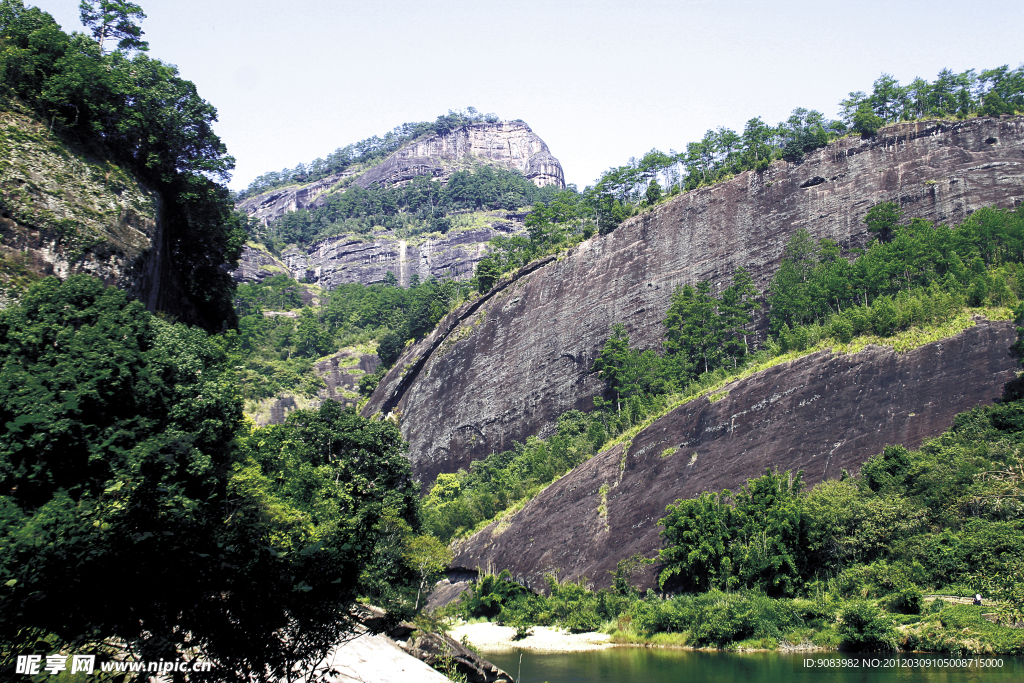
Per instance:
x=865, y=628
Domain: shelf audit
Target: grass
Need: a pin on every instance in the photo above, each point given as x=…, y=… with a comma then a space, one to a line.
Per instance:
x=963, y=629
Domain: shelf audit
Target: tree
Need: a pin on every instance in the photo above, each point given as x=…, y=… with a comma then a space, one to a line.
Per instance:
x=487, y=274
x=696, y=534
x=389, y=349
x=788, y=293
x=429, y=557
x=112, y=19
x=693, y=327
x=866, y=122
x=610, y=365
x=311, y=339
x=883, y=220
x=119, y=432
x=317, y=512
x=736, y=313
x=770, y=533
x=653, y=193
x=124, y=466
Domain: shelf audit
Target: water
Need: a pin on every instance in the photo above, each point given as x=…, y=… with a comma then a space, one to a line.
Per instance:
x=656, y=665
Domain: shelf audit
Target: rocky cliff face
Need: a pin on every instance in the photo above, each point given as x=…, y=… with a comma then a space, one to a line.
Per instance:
x=64, y=212
x=256, y=264
x=508, y=145
x=504, y=367
x=351, y=258
x=347, y=258
x=821, y=414
x=511, y=145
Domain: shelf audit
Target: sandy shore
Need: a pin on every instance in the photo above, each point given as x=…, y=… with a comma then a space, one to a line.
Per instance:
x=489, y=637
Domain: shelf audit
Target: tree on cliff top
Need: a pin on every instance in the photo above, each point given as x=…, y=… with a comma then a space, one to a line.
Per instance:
x=112, y=19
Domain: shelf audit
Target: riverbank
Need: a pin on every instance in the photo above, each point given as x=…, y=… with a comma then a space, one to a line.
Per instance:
x=490, y=637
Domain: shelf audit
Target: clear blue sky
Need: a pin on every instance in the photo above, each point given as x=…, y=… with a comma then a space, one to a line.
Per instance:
x=599, y=81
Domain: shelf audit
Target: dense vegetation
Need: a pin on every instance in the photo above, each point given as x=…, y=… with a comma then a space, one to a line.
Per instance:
x=275, y=353
x=365, y=152
x=141, y=113
x=912, y=276
x=845, y=564
x=722, y=152
x=418, y=207
x=125, y=460
x=125, y=465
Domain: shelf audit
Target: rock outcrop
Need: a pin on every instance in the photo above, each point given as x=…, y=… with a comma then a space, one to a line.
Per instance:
x=822, y=413
x=510, y=144
x=64, y=211
x=340, y=372
x=377, y=653
x=256, y=264
x=351, y=258
x=504, y=367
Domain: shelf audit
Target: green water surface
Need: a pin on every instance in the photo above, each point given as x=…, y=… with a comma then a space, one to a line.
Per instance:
x=657, y=665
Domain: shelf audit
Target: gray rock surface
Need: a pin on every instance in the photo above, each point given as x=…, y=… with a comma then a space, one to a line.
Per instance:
x=256, y=265
x=510, y=144
x=352, y=258
x=503, y=368
x=822, y=413
x=64, y=212
x=371, y=658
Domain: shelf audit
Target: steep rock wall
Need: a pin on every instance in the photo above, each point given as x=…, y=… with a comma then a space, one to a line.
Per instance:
x=348, y=258
x=511, y=144
x=821, y=413
x=256, y=264
x=518, y=359
x=64, y=212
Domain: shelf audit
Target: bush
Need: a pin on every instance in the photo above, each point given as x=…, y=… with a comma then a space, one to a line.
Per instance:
x=865, y=628
x=490, y=594
x=573, y=606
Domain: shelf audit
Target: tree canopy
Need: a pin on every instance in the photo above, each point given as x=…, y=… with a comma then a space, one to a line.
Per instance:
x=125, y=464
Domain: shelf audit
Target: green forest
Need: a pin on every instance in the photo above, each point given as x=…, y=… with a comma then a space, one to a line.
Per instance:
x=422, y=206
x=127, y=460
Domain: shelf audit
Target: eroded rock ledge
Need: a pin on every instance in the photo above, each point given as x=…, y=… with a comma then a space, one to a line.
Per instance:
x=822, y=413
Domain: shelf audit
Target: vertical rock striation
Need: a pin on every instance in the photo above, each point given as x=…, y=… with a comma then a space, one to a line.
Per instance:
x=510, y=144
x=822, y=413
x=503, y=368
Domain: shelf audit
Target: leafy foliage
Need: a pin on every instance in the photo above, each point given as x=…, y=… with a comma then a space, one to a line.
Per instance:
x=141, y=112
x=285, y=327
x=421, y=206
x=123, y=462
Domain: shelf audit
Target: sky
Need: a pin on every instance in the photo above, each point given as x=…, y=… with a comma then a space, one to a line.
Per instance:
x=598, y=81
